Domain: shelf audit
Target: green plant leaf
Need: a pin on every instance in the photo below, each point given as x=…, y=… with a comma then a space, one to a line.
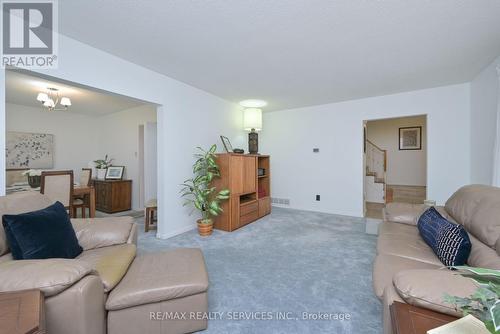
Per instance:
x=495, y=315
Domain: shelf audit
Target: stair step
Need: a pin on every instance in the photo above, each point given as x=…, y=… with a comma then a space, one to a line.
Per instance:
x=371, y=174
x=379, y=181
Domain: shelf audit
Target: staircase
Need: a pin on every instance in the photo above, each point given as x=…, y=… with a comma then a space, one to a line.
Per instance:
x=375, y=174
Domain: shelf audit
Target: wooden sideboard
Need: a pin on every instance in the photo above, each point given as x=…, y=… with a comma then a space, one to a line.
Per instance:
x=250, y=192
x=113, y=195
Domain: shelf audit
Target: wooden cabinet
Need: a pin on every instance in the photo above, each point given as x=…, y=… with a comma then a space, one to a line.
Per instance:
x=113, y=195
x=250, y=193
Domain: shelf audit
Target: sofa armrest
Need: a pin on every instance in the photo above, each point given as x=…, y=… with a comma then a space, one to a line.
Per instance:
x=426, y=288
x=51, y=276
x=132, y=239
x=403, y=213
x=102, y=232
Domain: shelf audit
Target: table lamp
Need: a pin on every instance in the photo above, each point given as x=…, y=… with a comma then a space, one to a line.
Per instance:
x=252, y=121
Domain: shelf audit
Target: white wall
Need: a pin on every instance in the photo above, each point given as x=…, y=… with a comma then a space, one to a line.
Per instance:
x=188, y=117
x=118, y=136
x=484, y=95
x=336, y=173
x=405, y=167
x=75, y=135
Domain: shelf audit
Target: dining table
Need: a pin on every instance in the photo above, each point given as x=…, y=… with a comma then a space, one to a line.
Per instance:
x=78, y=190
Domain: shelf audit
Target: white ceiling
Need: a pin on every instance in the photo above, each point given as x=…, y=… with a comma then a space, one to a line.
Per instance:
x=295, y=53
x=22, y=88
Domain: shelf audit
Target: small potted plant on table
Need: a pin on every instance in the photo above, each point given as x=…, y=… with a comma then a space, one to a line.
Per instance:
x=34, y=177
x=101, y=165
x=198, y=190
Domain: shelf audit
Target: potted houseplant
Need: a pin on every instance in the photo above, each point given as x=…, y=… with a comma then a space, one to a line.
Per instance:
x=101, y=166
x=199, y=192
x=484, y=304
x=34, y=177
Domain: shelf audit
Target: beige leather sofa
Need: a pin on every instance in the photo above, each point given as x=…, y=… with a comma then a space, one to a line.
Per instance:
x=106, y=289
x=407, y=270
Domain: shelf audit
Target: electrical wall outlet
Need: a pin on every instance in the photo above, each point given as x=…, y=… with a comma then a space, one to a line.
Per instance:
x=316, y=150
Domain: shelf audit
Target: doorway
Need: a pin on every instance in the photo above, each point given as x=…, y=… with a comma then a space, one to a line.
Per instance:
x=395, y=162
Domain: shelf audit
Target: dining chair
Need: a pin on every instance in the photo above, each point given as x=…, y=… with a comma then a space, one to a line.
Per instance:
x=86, y=177
x=82, y=202
x=58, y=186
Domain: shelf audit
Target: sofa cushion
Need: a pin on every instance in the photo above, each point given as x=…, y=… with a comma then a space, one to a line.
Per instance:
x=477, y=208
x=110, y=262
x=386, y=266
x=396, y=229
x=160, y=277
x=408, y=246
x=449, y=241
x=51, y=276
x=102, y=232
x=19, y=203
x=426, y=288
x=41, y=234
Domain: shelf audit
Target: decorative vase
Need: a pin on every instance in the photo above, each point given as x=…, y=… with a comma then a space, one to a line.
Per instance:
x=205, y=229
x=34, y=181
x=101, y=173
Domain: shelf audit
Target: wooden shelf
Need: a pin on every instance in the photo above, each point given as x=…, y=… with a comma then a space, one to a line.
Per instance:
x=247, y=201
x=239, y=174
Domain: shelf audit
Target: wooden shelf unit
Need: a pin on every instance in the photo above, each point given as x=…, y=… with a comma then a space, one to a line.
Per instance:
x=239, y=174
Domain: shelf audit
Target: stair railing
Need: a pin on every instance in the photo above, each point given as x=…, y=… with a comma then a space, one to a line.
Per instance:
x=376, y=163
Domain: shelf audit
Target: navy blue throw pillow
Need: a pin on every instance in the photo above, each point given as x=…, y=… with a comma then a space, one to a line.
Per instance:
x=41, y=234
x=449, y=241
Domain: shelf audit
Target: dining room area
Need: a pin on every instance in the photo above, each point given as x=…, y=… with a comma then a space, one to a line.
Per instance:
x=91, y=150
x=77, y=195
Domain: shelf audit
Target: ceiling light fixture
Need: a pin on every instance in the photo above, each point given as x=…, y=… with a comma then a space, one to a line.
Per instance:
x=50, y=100
x=253, y=103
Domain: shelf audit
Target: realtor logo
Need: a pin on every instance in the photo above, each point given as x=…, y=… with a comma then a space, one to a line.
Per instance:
x=29, y=34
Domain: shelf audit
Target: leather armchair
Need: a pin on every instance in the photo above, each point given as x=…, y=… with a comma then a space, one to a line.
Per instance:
x=75, y=289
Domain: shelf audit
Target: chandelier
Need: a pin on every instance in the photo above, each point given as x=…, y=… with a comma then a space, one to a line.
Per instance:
x=51, y=100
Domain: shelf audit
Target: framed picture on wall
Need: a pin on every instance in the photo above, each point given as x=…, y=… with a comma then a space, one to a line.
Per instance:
x=25, y=150
x=114, y=172
x=410, y=138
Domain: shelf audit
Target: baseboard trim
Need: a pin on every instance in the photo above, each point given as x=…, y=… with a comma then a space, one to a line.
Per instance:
x=176, y=232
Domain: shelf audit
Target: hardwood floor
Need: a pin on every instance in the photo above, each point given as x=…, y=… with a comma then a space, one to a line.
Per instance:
x=407, y=194
x=374, y=210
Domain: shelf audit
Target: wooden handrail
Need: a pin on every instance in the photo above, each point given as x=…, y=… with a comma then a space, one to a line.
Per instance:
x=378, y=148
x=381, y=150
x=385, y=160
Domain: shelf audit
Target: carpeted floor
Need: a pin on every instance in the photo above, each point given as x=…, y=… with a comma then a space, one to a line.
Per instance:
x=290, y=261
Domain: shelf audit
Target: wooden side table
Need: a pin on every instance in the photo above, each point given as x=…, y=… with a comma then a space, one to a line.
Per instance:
x=408, y=319
x=149, y=217
x=22, y=312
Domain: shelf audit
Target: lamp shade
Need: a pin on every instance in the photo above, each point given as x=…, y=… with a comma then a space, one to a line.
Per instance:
x=42, y=97
x=49, y=103
x=252, y=119
x=65, y=101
